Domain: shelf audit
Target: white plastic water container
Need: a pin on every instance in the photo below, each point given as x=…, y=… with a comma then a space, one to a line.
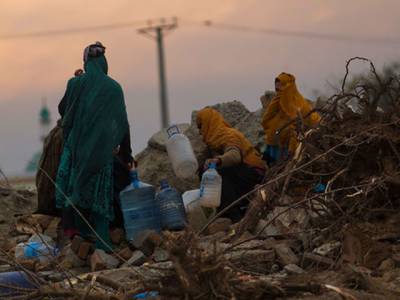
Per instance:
x=189, y=197
x=211, y=186
x=194, y=212
x=180, y=152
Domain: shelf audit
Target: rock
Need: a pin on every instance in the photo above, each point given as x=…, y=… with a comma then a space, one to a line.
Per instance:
x=8, y=244
x=100, y=260
x=219, y=225
x=117, y=235
x=43, y=220
x=52, y=229
x=21, y=238
x=84, y=249
x=160, y=255
x=266, y=231
x=352, y=249
x=76, y=243
x=328, y=249
x=213, y=247
x=70, y=259
x=293, y=269
x=159, y=139
x=147, y=241
x=285, y=255
x=137, y=259
x=256, y=256
x=253, y=244
x=275, y=268
x=219, y=236
x=252, y=260
x=125, y=253
x=315, y=259
x=387, y=264
x=154, y=164
x=29, y=264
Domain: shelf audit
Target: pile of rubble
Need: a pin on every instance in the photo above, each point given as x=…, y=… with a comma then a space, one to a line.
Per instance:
x=325, y=224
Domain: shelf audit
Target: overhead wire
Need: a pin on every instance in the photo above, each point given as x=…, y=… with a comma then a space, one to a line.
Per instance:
x=297, y=33
x=212, y=25
x=67, y=31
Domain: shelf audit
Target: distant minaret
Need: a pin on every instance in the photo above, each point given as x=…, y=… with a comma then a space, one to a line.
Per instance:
x=44, y=119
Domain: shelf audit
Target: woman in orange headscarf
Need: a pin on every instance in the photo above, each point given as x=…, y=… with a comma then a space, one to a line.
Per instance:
x=238, y=162
x=287, y=106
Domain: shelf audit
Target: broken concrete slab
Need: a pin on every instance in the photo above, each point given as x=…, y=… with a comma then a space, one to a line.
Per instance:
x=251, y=255
x=328, y=249
x=293, y=269
x=84, y=250
x=125, y=253
x=315, y=259
x=101, y=260
x=137, y=259
x=219, y=225
x=147, y=241
x=53, y=228
x=160, y=255
x=69, y=259
x=265, y=230
x=386, y=265
x=285, y=255
x=76, y=243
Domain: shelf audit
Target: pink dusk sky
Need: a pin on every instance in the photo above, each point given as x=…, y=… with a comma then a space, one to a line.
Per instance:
x=204, y=65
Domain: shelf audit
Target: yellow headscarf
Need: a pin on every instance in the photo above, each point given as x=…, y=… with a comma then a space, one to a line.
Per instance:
x=219, y=135
x=285, y=107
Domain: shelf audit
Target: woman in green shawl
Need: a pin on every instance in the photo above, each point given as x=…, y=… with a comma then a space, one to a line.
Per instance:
x=95, y=124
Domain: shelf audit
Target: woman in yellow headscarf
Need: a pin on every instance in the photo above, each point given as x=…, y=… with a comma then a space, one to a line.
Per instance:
x=238, y=162
x=288, y=105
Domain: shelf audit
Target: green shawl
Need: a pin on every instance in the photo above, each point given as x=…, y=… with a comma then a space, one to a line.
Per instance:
x=94, y=121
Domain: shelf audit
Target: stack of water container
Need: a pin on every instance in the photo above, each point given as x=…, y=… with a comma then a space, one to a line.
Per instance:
x=143, y=209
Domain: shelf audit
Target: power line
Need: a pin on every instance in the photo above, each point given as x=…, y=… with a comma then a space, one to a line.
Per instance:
x=66, y=31
x=214, y=25
x=300, y=34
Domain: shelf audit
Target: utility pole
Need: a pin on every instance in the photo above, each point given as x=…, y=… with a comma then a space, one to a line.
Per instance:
x=157, y=33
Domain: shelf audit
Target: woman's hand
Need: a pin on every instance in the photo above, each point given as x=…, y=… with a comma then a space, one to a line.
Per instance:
x=217, y=161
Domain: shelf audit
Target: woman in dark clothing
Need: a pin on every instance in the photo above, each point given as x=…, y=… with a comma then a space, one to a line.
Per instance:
x=239, y=164
x=96, y=134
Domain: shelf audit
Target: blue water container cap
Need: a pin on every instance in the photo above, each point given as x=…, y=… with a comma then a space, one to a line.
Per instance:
x=319, y=188
x=31, y=249
x=164, y=184
x=212, y=165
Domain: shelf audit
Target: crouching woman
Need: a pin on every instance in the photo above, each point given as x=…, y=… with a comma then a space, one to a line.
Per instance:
x=238, y=162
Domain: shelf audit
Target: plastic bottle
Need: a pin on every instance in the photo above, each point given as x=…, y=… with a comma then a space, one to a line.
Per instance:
x=180, y=152
x=39, y=247
x=173, y=216
x=139, y=207
x=195, y=213
x=210, y=189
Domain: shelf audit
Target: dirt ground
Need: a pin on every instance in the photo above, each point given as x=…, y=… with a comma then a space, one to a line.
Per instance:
x=18, y=200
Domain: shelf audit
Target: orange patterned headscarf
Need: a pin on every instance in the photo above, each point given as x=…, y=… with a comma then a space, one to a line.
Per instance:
x=219, y=135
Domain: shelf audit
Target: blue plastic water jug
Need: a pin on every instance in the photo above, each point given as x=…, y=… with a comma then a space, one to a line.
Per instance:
x=139, y=208
x=173, y=215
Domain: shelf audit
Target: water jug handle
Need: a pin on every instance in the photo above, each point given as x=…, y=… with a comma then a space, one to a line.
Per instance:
x=174, y=129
